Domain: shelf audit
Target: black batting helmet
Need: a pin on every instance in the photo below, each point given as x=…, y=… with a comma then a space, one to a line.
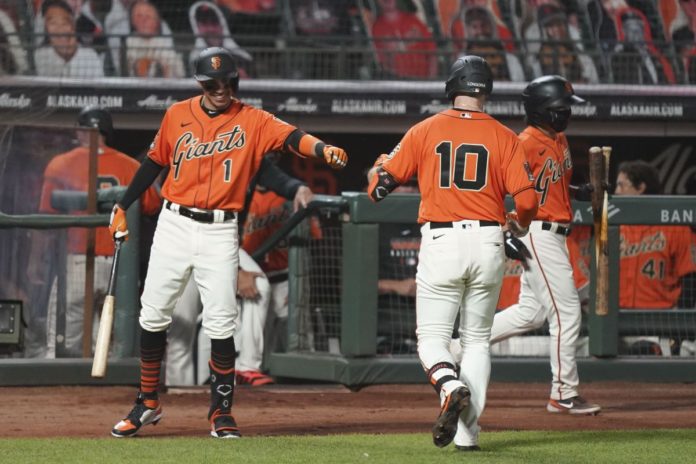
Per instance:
x=547, y=101
x=469, y=75
x=216, y=63
x=93, y=116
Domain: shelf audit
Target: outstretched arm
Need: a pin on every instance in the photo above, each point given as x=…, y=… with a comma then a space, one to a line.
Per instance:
x=308, y=146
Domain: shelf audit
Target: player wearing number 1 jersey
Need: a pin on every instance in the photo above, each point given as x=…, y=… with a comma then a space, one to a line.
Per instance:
x=547, y=288
x=465, y=162
x=213, y=145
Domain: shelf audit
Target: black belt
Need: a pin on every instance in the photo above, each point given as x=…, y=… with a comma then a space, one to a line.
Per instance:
x=277, y=278
x=207, y=217
x=560, y=230
x=448, y=225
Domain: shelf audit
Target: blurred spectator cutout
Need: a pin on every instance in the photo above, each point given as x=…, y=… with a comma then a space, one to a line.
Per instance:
x=62, y=55
x=635, y=58
x=482, y=40
x=558, y=52
x=404, y=44
x=150, y=52
x=211, y=30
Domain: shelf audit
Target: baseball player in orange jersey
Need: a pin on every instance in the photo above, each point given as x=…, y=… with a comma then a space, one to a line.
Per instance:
x=68, y=171
x=466, y=162
x=257, y=294
x=547, y=287
x=213, y=144
x=655, y=260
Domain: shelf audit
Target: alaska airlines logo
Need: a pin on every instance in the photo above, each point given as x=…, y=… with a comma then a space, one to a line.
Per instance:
x=187, y=147
x=550, y=173
x=649, y=244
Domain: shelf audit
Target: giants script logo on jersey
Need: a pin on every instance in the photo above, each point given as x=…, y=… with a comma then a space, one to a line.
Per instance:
x=187, y=146
x=648, y=244
x=551, y=172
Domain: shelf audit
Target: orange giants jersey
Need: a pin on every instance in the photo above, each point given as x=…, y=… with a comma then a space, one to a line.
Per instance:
x=552, y=167
x=653, y=259
x=510, y=291
x=466, y=163
x=213, y=159
x=68, y=171
x=267, y=213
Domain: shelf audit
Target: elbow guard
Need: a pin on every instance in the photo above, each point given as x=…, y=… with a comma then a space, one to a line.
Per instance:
x=381, y=185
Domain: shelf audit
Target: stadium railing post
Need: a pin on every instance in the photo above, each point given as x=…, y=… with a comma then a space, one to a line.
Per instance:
x=359, y=289
x=127, y=290
x=604, y=330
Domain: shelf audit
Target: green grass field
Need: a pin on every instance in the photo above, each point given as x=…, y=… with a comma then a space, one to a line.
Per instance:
x=597, y=447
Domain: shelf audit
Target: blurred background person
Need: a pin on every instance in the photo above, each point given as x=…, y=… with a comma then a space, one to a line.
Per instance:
x=150, y=52
x=211, y=30
x=68, y=171
x=657, y=268
x=13, y=57
x=62, y=55
x=94, y=26
x=404, y=44
x=558, y=52
x=482, y=40
x=685, y=43
x=636, y=59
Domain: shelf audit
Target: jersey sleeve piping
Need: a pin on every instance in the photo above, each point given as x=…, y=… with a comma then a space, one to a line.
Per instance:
x=522, y=190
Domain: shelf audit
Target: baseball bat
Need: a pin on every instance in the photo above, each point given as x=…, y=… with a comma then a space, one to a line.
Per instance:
x=101, y=351
x=599, y=172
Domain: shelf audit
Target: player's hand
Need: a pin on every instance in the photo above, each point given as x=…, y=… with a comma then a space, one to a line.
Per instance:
x=335, y=157
x=514, y=226
x=118, y=227
x=583, y=192
x=515, y=249
x=246, y=284
x=303, y=197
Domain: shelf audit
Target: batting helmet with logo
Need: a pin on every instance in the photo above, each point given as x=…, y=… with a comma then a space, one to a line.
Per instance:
x=547, y=101
x=469, y=75
x=216, y=63
x=93, y=116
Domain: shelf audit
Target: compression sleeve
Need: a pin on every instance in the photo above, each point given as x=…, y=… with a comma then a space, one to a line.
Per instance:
x=304, y=145
x=276, y=180
x=144, y=177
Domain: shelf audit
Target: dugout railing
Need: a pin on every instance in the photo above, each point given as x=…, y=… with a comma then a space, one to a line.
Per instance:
x=352, y=356
x=332, y=329
x=61, y=367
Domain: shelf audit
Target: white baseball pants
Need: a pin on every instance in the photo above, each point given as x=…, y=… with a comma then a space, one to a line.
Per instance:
x=547, y=293
x=459, y=267
x=249, y=336
x=209, y=254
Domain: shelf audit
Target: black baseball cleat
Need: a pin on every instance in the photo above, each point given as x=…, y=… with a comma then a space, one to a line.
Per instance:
x=147, y=410
x=468, y=448
x=224, y=426
x=446, y=425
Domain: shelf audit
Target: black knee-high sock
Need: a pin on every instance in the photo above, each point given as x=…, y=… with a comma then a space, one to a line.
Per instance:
x=152, y=346
x=222, y=354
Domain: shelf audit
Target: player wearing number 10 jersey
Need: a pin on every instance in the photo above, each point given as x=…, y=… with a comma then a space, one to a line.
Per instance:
x=466, y=162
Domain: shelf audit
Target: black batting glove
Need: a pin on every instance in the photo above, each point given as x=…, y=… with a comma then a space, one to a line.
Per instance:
x=515, y=249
